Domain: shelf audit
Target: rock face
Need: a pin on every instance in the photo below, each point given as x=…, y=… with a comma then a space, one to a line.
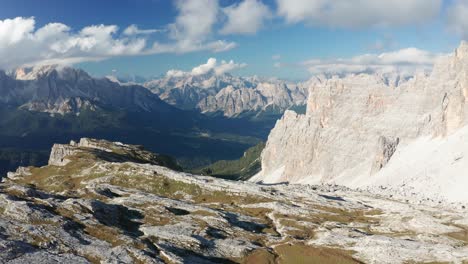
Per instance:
x=61, y=153
x=111, y=203
x=355, y=126
x=62, y=90
x=231, y=96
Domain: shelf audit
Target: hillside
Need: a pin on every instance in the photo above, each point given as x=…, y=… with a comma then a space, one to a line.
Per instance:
x=242, y=169
x=99, y=201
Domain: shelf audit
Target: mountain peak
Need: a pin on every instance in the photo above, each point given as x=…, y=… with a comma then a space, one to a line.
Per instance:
x=462, y=51
x=33, y=73
x=37, y=72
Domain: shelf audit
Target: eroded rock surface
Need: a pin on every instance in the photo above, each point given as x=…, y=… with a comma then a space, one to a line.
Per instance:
x=103, y=206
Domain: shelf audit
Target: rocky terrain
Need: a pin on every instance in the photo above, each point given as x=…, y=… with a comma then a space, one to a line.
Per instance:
x=229, y=95
x=103, y=202
x=363, y=131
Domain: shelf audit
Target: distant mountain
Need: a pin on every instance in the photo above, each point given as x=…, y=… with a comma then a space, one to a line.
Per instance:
x=228, y=95
x=62, y=90
x=43, y=105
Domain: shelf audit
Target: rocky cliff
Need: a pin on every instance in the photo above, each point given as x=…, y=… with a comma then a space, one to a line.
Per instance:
x=106, y=150
x=112, y=203
x=355, y=126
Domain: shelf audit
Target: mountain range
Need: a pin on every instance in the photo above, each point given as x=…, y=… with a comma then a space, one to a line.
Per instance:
x=230, y=96
x=64, y=90
x=46, y=104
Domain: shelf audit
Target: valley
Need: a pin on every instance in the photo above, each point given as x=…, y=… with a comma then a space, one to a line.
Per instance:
x=56, y=114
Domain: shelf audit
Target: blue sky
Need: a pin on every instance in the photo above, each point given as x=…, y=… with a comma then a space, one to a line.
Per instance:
x=286, y=39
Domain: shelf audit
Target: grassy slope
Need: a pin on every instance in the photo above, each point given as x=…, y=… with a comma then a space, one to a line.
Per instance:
x=242, y=169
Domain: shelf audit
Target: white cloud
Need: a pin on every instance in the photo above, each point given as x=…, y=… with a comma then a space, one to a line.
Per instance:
x=211, y=66
x=276, y=57
x=405, y=61
x=246, y=17
x=225, y=67
x=21, y=44
x=13, y=31
x=458, y=18
x=358, y=13
x=193, y=28
x=133, y=30
x=204, y=68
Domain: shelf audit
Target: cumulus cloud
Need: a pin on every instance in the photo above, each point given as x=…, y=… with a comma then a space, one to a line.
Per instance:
x=457, y=15
x=193, y=28
x=246, y=17
x=133, y=30
x=211, y=66
x=358, y=13
x=406, y=61
x=195, y=20
x=21, y=44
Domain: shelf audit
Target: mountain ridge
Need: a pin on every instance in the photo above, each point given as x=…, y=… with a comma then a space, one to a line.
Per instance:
x=229, y=95
x=61, y=90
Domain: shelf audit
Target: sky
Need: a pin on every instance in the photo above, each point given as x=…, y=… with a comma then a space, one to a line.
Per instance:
x=289, y=39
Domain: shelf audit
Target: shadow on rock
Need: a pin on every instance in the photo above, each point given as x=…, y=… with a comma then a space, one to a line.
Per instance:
x=116, y=215
x=253, y=227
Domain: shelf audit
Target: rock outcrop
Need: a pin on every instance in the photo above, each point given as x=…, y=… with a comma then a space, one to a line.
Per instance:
x=356, y=125
x=59, y=154
x=106, y=150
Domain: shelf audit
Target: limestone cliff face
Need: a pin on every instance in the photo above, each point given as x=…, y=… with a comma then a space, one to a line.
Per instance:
x=60, y=152
x=355, y=124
